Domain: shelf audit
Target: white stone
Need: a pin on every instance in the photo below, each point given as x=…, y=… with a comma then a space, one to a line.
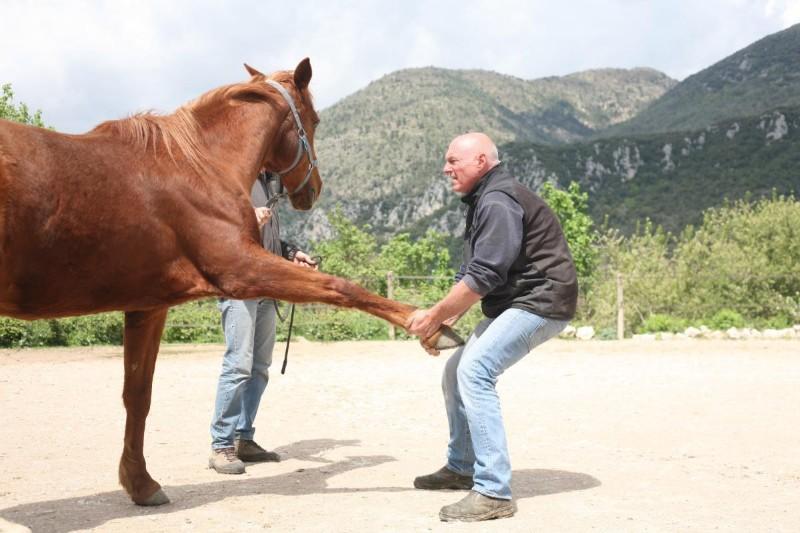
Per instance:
x=692, y=332
x=585, y=333
x=716, y=335
x=666, y=336
x=772, y=334
x=733, y=333
x=568, y=332
x=644, y=337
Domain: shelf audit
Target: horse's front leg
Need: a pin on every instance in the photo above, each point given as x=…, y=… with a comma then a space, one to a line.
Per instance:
x=142, y=337
x=260, y=274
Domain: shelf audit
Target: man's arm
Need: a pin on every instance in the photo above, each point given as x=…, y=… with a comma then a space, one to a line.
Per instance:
x=425, y=322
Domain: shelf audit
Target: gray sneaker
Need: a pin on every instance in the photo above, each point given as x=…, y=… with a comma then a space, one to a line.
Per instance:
x=444, y=478
x=224, y=461
x=476, y=507
x=249, y=451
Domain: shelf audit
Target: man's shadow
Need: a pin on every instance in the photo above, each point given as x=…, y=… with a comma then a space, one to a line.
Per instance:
x=85, y=512
x=538, y=482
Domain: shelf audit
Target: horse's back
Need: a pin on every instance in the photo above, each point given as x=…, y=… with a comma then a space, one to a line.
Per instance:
x=80, y=227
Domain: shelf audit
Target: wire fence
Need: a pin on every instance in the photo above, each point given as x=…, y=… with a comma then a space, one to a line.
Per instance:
x=615, y=303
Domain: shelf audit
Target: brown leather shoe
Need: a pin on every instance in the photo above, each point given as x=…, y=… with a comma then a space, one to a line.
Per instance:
x=444, y=478
x=249, y=451
x=224, y=461
x=476, y=507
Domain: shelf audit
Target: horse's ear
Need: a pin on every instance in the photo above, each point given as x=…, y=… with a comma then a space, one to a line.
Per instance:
x=302, y=74
x=252, y=71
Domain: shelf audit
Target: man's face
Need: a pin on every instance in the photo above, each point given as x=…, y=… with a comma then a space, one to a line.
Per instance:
x=464, y=166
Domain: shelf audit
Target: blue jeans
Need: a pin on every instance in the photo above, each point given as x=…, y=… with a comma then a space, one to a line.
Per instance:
x=249, y=327
x=477, y=445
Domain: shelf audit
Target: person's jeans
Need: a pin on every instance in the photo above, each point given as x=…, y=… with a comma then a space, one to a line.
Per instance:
x=477, y=445
x=249, y=327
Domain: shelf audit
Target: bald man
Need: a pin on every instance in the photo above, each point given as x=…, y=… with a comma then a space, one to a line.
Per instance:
x=518, y=264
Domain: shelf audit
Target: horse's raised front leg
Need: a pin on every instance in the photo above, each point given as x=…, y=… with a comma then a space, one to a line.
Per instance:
x=142, y=337
x=261, y=274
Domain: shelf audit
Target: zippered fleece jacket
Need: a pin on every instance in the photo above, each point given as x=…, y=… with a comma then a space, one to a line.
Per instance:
x=515, y=252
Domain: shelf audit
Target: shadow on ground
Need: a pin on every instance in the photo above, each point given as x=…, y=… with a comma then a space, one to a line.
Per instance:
x=85, y=512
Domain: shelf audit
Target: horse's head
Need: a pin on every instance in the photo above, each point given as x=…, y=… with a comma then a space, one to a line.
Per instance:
x=293, y=156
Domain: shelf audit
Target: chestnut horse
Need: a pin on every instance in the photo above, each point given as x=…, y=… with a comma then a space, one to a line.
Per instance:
x=147, y=212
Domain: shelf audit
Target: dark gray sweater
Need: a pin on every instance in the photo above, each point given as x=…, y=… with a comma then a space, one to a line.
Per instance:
x=515, y=253
x=265, y=187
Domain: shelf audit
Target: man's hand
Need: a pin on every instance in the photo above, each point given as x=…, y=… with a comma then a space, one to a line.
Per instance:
x=304, y=260
x=263, y=214
x=422, y=322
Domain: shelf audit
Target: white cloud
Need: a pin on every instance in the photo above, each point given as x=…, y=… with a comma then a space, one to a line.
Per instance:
x=89, y=60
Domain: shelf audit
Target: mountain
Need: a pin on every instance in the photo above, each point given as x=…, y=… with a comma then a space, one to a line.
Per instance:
x=760, y=77
x=381, y=148
x=672, y=177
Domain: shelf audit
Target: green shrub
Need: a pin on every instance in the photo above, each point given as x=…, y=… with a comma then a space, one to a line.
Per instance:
x=726, y=319
x=338, y=325
x=104, y=328
x=194, y=322
x=606, y=334
x=12, y=331
x=658, y=323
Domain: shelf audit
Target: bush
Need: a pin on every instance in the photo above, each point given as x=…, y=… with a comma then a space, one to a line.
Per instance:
x=726, y=319
x=11, y=332
x=338, y=325
x=104, y=328
x=662, y=323
x=195, y=322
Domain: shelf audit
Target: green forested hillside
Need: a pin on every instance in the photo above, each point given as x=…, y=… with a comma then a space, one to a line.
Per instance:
x=668, y=178
x=672, y=177
x=760, y=77
x=381, y=147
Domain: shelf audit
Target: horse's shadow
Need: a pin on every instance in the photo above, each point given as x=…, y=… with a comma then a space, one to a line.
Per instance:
x=86, y=512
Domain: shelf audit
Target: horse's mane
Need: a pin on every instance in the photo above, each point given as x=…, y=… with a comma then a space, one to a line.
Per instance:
x=179, y=132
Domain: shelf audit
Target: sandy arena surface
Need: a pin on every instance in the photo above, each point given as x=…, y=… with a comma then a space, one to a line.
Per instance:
x=690, y=435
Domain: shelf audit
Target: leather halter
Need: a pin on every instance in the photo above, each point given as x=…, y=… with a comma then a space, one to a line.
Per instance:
x=303, y=145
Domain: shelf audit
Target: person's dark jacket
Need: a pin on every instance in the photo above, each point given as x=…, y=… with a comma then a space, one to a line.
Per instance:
x=264, y=188
x=515, y=253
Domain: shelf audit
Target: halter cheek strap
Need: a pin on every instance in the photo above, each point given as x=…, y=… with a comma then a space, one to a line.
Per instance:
x=303, y=145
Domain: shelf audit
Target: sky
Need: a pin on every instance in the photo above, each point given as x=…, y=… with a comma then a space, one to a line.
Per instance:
x=85, y=61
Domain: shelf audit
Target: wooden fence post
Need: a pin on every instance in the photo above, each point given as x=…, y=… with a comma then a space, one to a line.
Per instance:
x=620, y=309
x=390, y=295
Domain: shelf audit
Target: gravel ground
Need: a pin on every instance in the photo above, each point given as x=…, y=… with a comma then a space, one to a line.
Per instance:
x=692, y=435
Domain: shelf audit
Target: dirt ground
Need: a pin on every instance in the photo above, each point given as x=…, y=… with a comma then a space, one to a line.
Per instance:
x=691, y=435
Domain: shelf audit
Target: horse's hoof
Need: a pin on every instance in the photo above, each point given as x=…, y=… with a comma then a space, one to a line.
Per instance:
x=448, y=339
x=157, y=498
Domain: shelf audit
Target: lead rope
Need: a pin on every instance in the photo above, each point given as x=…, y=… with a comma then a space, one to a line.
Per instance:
x=318, y=260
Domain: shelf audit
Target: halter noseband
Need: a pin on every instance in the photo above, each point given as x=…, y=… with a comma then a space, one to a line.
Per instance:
x=302, y=146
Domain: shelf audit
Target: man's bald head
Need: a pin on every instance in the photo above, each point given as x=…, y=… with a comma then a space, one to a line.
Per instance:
x=468, y=159
x=477, y=143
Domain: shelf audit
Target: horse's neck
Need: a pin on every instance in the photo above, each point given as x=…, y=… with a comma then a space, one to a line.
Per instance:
x=237, y=138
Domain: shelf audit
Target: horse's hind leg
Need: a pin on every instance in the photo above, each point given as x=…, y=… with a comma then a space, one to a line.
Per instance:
x=142, y=336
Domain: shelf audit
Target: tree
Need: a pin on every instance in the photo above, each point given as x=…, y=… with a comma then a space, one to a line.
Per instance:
x=571, y=208
x=19, y=112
